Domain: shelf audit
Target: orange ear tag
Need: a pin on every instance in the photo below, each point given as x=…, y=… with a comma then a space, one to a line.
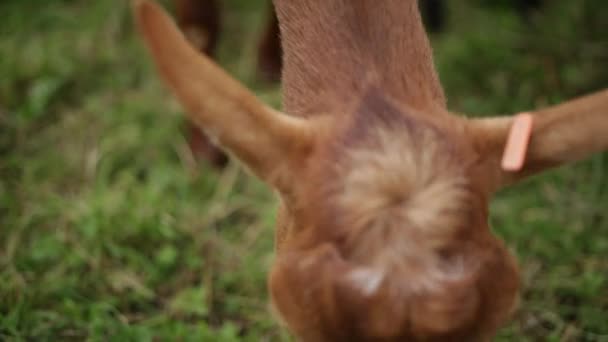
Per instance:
x=517, y=145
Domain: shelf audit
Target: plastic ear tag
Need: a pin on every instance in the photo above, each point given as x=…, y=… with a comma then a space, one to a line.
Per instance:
x=514, y=155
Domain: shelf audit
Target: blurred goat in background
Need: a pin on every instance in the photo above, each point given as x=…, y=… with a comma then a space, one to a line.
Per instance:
x=200, y=20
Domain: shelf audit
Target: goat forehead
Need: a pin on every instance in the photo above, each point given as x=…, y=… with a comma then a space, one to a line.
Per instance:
x=383, y=131
x=402, y=186
x=407, y=164
x=376, y=110
x=390, y=167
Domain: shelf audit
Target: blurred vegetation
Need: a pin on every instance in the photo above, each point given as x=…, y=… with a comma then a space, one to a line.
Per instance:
x=108, y=232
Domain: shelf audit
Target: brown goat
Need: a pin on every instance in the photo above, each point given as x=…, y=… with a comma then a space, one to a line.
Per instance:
x=200, y=21
x=382, y=233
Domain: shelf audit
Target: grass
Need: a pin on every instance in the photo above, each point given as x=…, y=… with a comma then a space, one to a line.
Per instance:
x=107, y=231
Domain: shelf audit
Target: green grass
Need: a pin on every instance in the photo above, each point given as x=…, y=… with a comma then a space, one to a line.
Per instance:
x=107, y=231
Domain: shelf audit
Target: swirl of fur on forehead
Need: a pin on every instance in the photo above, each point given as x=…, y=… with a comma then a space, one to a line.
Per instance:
x=403, y=208
x=399, y=187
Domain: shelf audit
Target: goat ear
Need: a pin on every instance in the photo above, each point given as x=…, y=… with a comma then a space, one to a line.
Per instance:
x=265, y=140
x=561, y=134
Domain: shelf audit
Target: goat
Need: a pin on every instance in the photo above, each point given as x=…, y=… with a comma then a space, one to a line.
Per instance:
x=382, y=231
x=200, y=21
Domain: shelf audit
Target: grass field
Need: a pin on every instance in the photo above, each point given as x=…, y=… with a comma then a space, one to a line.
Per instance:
x=109, y=233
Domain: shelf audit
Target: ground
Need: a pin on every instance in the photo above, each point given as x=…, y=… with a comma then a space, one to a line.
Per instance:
x=109, y=232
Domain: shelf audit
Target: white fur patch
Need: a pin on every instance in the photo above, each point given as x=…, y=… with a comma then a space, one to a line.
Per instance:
x=366, y=279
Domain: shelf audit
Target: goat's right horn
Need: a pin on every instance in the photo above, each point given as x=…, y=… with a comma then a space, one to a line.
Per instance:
x=262, y=138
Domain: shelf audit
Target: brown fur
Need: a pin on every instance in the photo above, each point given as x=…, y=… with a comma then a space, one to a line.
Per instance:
x=382, y=233
x=332, y=47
